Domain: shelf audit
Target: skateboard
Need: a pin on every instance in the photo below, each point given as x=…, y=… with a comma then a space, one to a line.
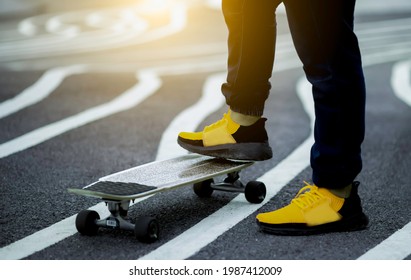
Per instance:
x=118, y=190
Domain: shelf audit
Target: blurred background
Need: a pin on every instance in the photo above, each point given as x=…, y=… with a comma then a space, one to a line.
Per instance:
x=41, y=29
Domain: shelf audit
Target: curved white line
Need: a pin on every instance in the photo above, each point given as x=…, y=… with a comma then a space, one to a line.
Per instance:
x=148, y=84
x=27, y=27
x=395, y=247
x=56, y=26
x=213, y=4
x=190, y=118
x=178, y=20
x=401, y=81
x=398, y=245
x=45, y=237
x=93, y=41
x=40, y=89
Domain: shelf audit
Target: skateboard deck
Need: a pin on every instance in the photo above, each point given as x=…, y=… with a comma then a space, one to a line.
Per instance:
x=159, y=176
x=119, y=189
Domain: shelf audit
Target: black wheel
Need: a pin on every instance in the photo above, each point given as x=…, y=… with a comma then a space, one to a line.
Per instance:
x=146, y=229
x=203, y=189
x=255, y=192
x=86, y=222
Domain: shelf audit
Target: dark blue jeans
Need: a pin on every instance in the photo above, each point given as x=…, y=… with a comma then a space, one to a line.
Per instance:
x=322, y=32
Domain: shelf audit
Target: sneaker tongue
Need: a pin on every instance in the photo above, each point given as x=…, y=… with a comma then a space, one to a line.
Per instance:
x=232, y=127
x=335, y=202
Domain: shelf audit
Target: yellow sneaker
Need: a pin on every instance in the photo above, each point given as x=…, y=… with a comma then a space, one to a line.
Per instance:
x=316, y=210
x=227, y=139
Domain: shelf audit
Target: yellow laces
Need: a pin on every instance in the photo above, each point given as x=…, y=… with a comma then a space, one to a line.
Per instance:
x=307, y=196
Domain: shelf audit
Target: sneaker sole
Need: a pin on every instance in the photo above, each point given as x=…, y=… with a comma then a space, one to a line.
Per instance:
x=239, y=151
x=354, y=223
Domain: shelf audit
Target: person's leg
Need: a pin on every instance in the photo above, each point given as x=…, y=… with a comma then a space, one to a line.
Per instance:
x=241, y=133
x=325, y=41
x=251, y=45
x=323, y=35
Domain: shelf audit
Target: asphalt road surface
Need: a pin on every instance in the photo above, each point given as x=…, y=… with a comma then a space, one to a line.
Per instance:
x=90, y=89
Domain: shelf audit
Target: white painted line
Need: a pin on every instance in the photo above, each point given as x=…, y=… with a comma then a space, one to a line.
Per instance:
x=401, y=81
x=55, y=25
x=178, y=21
x=50, y=235
x=30, y=26
x=90, y=40
x=398, y=245
x=190, y=118
x=39, y=90
x=213, y=4
x=148, y=84
x=206, y=231
x=45, y=237
x=395, y=247
x=100, y=40
x=389, y=55
x=216, y=4
x=400, y=26
x=128, y=32
x=27, y=27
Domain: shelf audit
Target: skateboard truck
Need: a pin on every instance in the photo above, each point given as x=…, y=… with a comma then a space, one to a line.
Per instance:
x=254, y=191
x=146, y=229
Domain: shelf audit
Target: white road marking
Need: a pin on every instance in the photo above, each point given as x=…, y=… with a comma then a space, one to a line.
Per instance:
x=126, y=30
x=398, y=245
x=40, y=89
x=401, y=81
x=216, y=4
x=45, y=237
x=50, y=235
x=27, y=27
x=190, y=118
x=395, y=247
x=147, y=85
x=54, y=25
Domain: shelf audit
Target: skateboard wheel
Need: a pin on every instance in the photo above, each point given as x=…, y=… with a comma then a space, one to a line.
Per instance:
x=255, y=192
x=86, y=222
x=203, y=189
x=146, y=229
